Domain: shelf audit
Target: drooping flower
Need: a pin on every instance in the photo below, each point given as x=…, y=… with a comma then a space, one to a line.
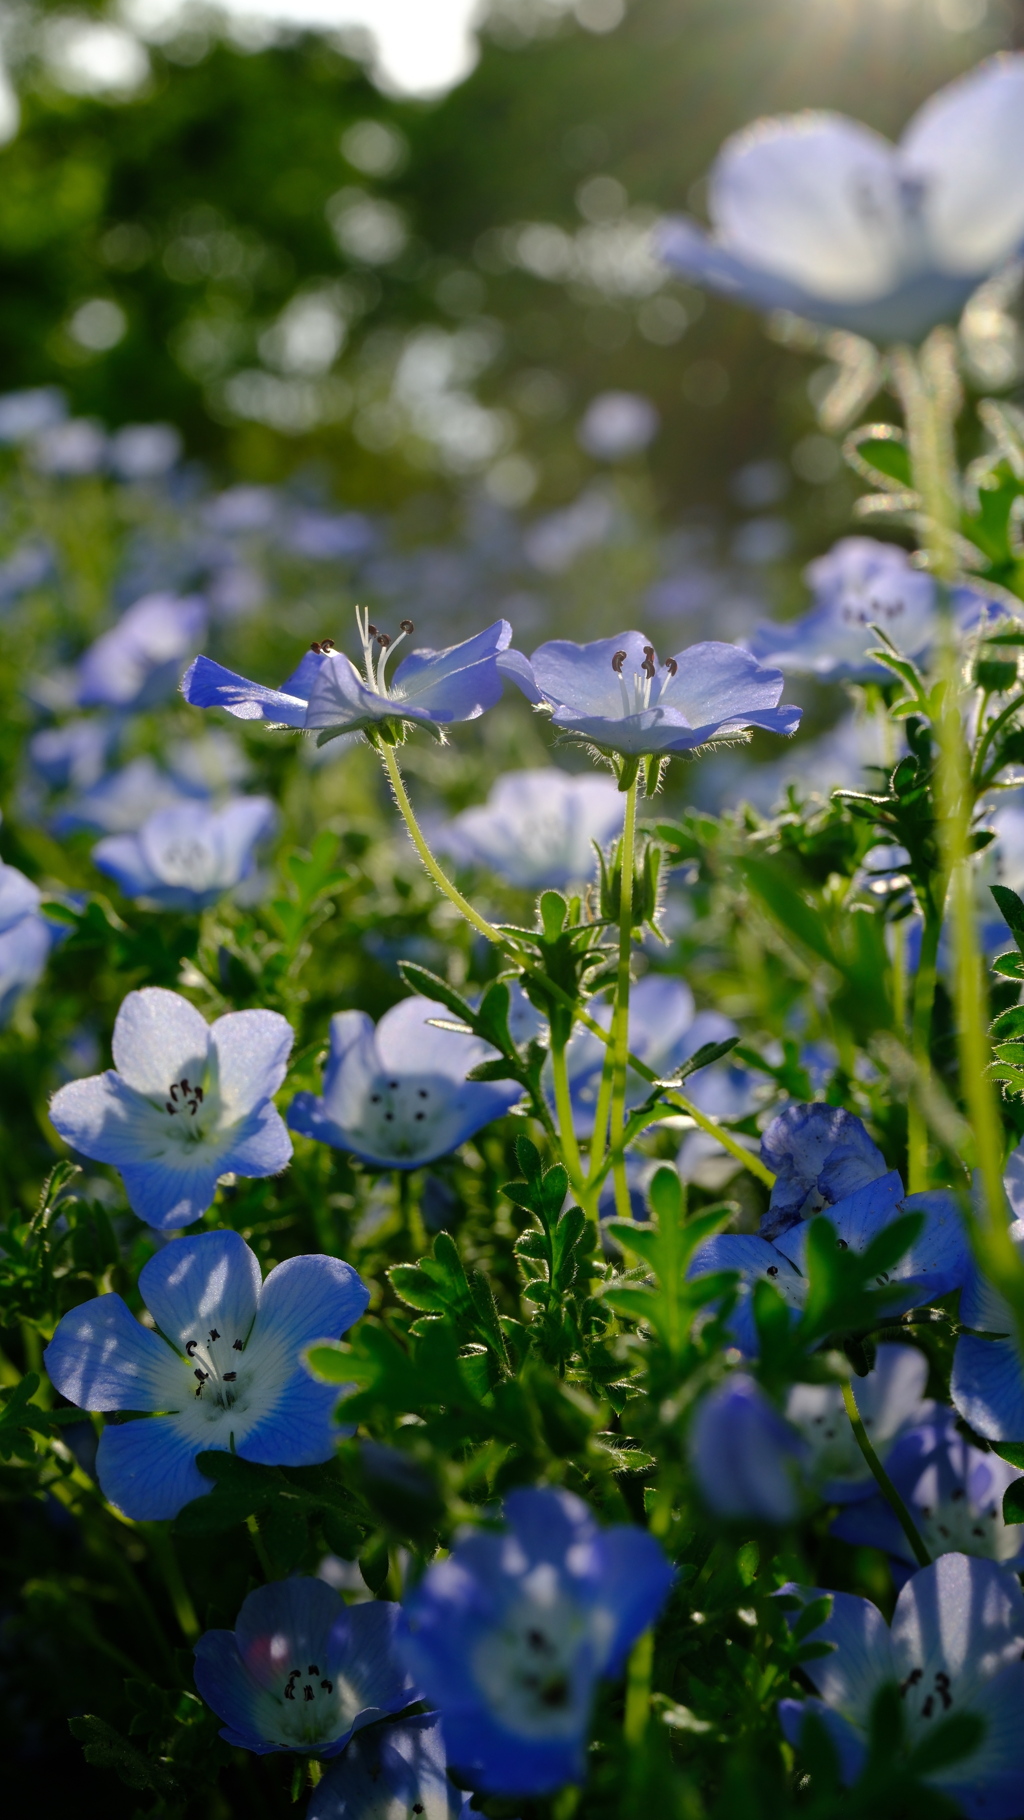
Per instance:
x=746, y=1459
x=388, y=1773
x=187, y=857
x=327, y=696
x=185, y=1103
x=665, y=1030
x=819, y=1154
x=861, y=583
x=987, y=1381
x=953, y=1491
x=138, y=662
x=509, y=1636
x=538, y=828
x=226, y=1375
x=26, y=937
x=954, y=1647
x=890, y=1401
x=934, y=1264
x=397, y=1095
x=302, y=1671
x=820, y=215
x=615, y=693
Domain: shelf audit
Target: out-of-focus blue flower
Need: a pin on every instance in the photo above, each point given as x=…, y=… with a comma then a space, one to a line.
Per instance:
x=954, y=1647
x=302, y=1671
x=746, y=1459
x=26, y=937
x=397, y=1095
x=186, y=858
x=935, y=1263
x=819, y=1155
x=618, y=424
x=615, y=693
x=987, y=1382
x=26, y=414
x=392, y=1770
x=953, y=1492
x=241, y=510
x=188, y=1103
x=330, y=536
x=665, y=1030
x=509, y=1636
x=29, y=565
x=123, y=800
x=537, y=828
x=144, y=451
x=818, y=214
x=326, y=694
x=138, y=662
x=73, y=755
x=224, y=1372
x=861, y=583
x=558, y=539
x=69, y=451
x=890, y=1400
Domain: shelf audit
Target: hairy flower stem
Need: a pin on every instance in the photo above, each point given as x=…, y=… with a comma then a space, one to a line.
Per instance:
x=566, y=1128
x=638, y=1689
x=440, y=878
x=411, y=1217
x=883, y=1481
x=161, y=1549
x=620, y=1022
x=921, y=1049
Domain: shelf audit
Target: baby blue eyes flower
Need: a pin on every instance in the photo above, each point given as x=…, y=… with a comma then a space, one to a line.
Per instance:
x=391, y=1773
x=223, y=1372
x=397, y=1095
x=861, y=583
x=987, y=1382
x=820, y=215
x=745, y=1458
x=509, y=1636
x=819, y=1154
x=26, y=938
x=891, y=1401
x=953, y=1491
x=619, y=696
x=954, y=1647
x=327, y=696
x=185, y=1103
x=139, y=661
x=302, y=1671
x=538, y=828
x=186, y=858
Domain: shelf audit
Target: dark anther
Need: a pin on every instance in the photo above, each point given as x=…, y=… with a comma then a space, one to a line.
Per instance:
x=200, y=1374
x=942, y=1688
x=315, y=647
x=230, y=1376
x=383, y=640
x=956, y=1493
x=171, y=1109
x=307, y=1692
x=406, y=625
x=214, y=1335
x=617, y=662
x=375, y=1099
x=556, y=1693
x=841, y=1245
x=671, y=666
x=371, y=631
x=417, y=1807
x=190, y=1348
x=773, y=1270
x=912, y=1680
x=393, y=1086
x=420, y=1115
x=977, y=1530
x=312, y=1669
x=928, y=1708
x=884, y=1278
x=649, y=666
x=327, y=645
x=388, y=1116
x=237, y=1346
x=422, y=1091
x=289, y=1692
x=926, y=1510
x=536, y=1639
x=328, y=1686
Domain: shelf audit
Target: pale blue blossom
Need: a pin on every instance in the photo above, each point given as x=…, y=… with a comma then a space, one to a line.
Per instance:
x=537, y=829
x=26, y=938
x=140, y=660
x=189, y=856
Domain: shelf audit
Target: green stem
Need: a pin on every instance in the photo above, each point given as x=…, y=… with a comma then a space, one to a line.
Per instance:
x=563, y=1106
x=620, y=1021
x=261, y=1548
x=162, y=1550
x=412, y=1218
x=921, y=1050
x=883, y=1481
x=638, y=1689
x=440, y=878
x=599, y=1139
x=748, y=1158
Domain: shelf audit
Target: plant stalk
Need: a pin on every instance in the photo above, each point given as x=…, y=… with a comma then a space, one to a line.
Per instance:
x=620, y=1022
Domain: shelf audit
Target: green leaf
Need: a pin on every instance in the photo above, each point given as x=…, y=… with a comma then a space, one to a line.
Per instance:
x=106, y=1749
x=430, y=985
x=1012, y=910
x=1013, y=1498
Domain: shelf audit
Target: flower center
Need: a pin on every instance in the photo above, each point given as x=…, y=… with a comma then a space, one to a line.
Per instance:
x=214, y=1362
x=400, y=1115
x=926, y=1697
x=309, y=1707
x=529, y=1668
x=862, y=609
x=370, y=636
x=636, y=690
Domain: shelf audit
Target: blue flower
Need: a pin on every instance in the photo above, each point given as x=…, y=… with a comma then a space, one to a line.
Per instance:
x=327, y=696
x=665, y=1030
x=123, y=800
x=954, y=1647
x=747, y=1461
x=138, y=662
x=818, y=214
x=936, y=1262
x=397, y=1095
x=302, y=1671
x=188, y=1103
x=953, y=1491
x=861, y=583
x=538, y=828
x=223, y=1373
x=615, y=693
x=890, y=1400
x=391, y=1771
x=509, y=1636
x=186, y=858
x=987, y=1382
x=819, y=1154
x=74, y=754
x=26, y=937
